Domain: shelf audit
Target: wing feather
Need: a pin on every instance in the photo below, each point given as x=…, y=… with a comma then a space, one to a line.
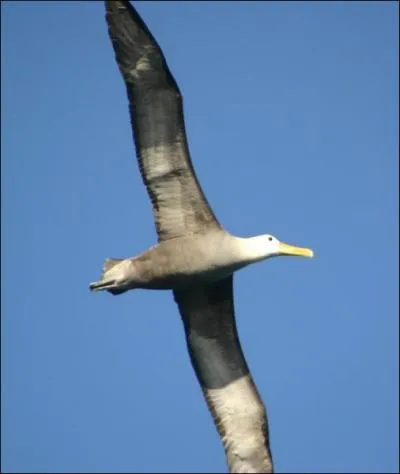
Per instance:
x=220, y=366
x=156, y=111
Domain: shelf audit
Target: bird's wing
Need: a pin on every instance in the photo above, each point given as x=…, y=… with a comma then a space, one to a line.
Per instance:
x=220, y=366
x=156, y=110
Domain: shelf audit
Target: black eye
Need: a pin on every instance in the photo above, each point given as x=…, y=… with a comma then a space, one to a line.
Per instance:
x=270, y=239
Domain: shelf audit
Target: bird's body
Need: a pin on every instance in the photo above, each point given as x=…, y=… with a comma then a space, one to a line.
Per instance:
x=194, y=257
x=177, y=264
x=183, y=262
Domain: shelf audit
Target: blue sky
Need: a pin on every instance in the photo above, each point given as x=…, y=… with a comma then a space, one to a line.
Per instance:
x=292, y=118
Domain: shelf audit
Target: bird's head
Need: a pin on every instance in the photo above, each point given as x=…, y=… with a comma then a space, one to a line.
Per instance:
x=265, y=246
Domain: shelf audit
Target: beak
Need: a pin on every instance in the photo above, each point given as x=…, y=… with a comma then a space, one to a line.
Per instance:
x=286, y=249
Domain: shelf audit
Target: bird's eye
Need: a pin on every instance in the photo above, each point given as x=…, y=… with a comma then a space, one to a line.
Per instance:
x=270, y=239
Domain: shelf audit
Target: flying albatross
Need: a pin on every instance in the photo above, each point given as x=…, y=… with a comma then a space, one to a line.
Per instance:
x=195, y=257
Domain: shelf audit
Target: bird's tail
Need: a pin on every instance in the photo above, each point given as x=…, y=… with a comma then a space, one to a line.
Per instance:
x=109, y=263
x=108, y=281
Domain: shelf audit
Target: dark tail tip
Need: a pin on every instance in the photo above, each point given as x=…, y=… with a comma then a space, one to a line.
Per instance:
x=101, y=285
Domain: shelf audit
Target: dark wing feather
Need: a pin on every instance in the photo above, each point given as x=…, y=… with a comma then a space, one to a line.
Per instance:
x=220, y=366
x=156, y=110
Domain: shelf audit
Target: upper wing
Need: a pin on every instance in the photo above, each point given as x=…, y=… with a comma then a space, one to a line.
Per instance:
x=155, y=103
x=220, y=366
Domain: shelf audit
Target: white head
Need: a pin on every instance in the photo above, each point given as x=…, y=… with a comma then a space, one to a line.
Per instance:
x=264, y=246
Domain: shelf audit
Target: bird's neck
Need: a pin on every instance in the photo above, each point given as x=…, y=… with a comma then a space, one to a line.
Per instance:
x=251, y=249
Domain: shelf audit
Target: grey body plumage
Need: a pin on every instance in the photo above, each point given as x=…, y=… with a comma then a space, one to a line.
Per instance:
x=174, y=264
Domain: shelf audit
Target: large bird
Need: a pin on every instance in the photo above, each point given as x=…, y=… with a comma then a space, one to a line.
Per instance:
x=195, y=257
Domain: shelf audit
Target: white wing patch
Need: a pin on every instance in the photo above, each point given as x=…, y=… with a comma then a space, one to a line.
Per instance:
x=241, y=422
x=160, y=159
x=143, y=64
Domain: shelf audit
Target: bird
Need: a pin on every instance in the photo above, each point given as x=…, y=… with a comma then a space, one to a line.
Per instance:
x=195, y=257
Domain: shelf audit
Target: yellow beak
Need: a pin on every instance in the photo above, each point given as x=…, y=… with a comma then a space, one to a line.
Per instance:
x=286, y=249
